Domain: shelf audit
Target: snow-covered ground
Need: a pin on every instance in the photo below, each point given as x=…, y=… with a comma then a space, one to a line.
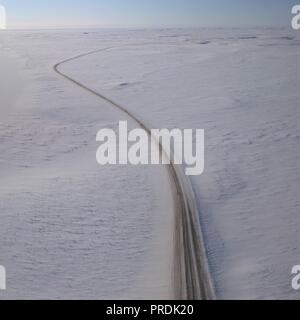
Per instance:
x=241, y=86
x=70, y=228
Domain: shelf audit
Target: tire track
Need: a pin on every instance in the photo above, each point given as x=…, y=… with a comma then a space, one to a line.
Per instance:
x=192, y=279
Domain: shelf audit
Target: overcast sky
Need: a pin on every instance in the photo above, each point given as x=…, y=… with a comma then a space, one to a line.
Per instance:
x=152, y=13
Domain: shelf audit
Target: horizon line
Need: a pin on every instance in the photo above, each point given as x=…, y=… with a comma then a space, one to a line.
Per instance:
x=66, y=27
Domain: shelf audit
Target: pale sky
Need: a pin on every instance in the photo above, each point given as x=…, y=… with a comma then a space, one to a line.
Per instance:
x=147, y=13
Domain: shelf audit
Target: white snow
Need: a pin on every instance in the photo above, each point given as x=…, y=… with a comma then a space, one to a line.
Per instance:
x=241, y=86
x=70, y=228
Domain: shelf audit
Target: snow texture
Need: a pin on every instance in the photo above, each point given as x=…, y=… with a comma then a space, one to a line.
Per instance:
x=241, y=86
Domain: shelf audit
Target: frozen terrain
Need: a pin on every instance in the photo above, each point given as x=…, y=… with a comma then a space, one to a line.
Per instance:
x=241, y=86
x=70, y=228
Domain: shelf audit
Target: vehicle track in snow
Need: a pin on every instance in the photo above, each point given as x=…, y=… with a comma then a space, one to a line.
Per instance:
x=192, y=279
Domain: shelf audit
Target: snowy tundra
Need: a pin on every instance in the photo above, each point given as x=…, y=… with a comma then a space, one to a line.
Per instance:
x=73, y=229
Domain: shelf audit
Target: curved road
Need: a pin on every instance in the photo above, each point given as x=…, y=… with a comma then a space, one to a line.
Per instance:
x=192, y=277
